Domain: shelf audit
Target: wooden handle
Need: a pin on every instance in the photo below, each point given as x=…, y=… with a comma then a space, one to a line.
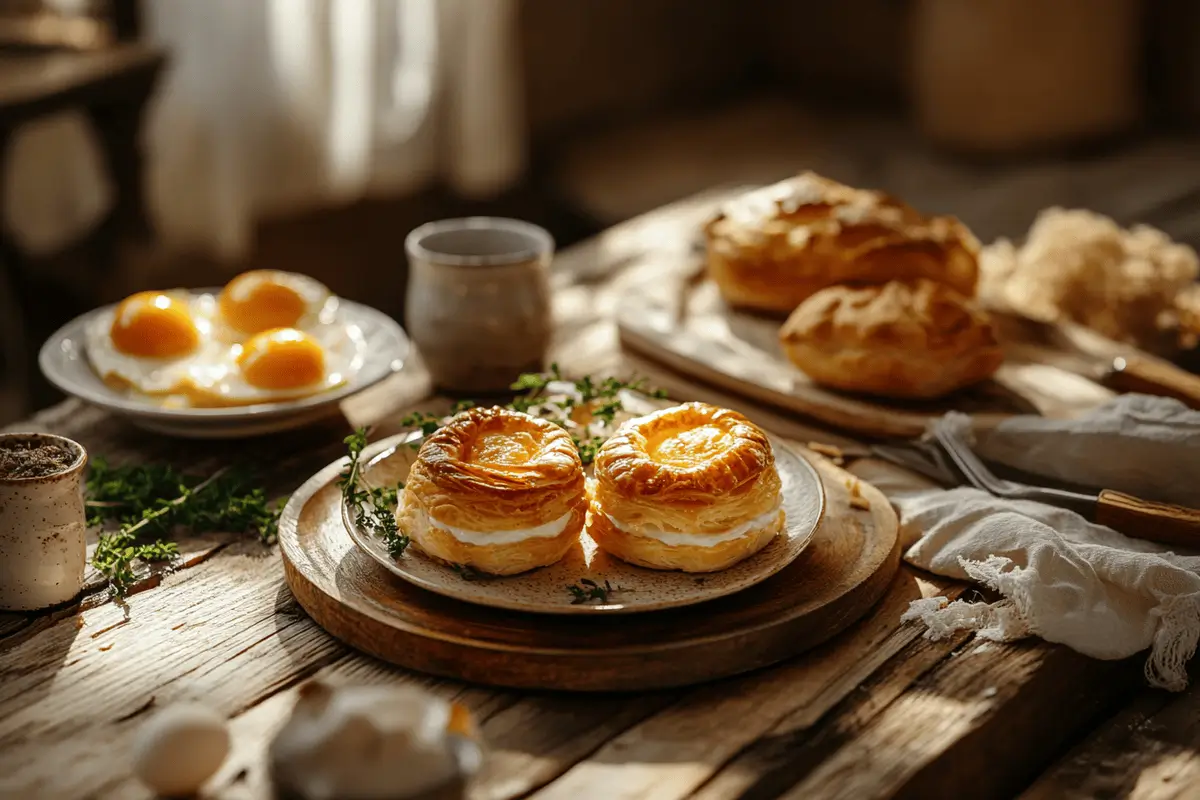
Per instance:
x=1155, y=522
x=1134, y=373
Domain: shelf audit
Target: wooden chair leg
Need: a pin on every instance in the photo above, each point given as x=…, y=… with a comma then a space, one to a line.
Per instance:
x=13, y=332
x=119, y=128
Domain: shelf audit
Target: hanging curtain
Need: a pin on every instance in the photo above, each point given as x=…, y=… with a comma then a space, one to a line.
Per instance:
x=276, y=106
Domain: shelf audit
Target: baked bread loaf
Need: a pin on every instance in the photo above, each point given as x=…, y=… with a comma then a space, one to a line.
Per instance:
x=692, y=488
x=903, y=339
x=495, y=490
x=771, y=249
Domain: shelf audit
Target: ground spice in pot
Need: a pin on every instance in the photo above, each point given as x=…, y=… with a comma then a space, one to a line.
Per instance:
x=33, y=460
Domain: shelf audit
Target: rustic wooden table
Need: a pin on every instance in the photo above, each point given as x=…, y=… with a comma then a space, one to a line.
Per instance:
x=877, y=712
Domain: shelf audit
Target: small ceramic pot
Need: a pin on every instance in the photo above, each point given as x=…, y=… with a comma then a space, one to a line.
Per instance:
x=478, y=304
x=43, y=531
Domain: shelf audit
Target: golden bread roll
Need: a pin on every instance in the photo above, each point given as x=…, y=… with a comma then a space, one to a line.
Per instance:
x=495, y=490
x=692, y=487
x=772, y=248
x=907, y=339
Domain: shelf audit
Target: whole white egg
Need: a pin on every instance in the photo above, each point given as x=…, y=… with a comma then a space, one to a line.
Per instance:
x=178, y=749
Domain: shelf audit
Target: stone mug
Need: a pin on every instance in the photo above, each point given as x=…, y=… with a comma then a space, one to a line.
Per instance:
x=478, y=303
x=43, y=531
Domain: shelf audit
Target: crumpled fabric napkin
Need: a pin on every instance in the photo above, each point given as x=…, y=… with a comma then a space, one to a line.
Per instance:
x=1060, y=577
x=1146, y=446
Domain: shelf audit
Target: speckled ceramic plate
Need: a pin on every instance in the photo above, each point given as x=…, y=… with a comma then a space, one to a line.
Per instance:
x=545, y=591
x=63, y=360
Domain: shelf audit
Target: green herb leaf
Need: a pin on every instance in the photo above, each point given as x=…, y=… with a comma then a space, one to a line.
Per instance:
x=587, y=590
x=426, y=422
x=134, y=497
x=529, y=382
x=374, y=507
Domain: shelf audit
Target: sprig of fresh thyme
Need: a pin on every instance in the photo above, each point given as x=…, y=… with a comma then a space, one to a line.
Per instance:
x=135, y=497
x=588, y=590
x=428, y=423
x=585, y=412
x=374, y=507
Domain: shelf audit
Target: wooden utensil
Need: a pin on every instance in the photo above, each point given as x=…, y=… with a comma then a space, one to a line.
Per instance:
x=1156, y=522
x=1121, y=368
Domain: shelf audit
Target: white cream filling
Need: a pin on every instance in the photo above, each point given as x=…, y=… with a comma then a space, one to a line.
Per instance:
x=699, y=539
x=545, y=531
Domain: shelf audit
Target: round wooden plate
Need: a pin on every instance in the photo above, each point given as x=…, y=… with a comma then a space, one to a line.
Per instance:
x=843, y=572
x=636, y=590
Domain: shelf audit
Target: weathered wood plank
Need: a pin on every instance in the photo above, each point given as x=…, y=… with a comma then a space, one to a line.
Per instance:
x=988, y=719
x=226, y=633
x=1150, y=750
x=536, y=737
x=672, y=753
x=794, y=746
x=194, y=549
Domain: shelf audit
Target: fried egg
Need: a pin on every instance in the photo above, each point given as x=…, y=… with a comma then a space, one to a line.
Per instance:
x=279, y=364
x=151, y=342
x=172, y=347
x=266, y=299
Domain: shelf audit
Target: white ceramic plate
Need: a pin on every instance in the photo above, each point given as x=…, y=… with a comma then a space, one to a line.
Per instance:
x=63, y=360
x=544, y=591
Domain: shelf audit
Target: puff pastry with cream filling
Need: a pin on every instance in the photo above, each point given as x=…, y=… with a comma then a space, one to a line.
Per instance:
x=692, y=488
x=495, y=490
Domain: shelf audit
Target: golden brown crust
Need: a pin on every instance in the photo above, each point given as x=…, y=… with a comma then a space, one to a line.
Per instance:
x=496, y=470
x=908, y=339
x=686, y=454
x=773, y=248
x=653, y=554
x=693, y=469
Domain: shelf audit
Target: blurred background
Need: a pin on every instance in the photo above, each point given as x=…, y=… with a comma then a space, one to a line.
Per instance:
x=158, y=143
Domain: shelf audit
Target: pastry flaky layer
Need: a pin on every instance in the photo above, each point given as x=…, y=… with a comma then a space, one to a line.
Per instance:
x=496, y=490
x=692, y=487
x=772, y=248
x=907, y=339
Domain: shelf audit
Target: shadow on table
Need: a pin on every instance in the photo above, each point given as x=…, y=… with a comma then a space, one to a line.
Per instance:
x=32, y=655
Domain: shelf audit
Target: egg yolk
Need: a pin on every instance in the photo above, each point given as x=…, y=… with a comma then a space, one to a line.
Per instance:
x=283, y=358
x=154, y=325
x=256, y=301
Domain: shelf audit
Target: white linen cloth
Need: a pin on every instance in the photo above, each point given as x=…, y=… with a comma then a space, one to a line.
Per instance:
x=274, y=106
x=1060, y=577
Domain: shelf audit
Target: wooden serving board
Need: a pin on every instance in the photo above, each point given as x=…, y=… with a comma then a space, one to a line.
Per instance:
x=681, y=322
x=843, y=573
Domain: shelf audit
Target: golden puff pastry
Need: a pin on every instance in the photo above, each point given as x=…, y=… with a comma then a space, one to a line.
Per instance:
x=905, y=339
x=771, y=249
x=692, y=487
x=495, y=490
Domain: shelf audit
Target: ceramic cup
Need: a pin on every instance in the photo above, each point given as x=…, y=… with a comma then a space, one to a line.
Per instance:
x=43, y=531
x=478, y=304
